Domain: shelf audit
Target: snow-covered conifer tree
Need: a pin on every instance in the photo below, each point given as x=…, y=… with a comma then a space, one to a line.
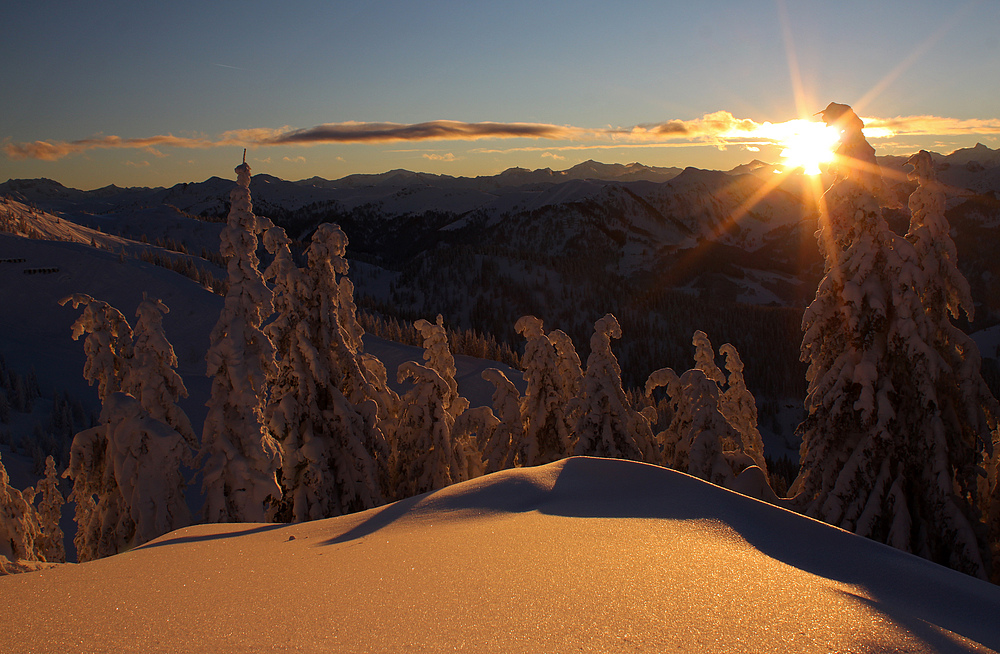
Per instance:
x=501, y=450
x=568, y=363
x=241, y=457
x=145, y=456
x=473, y=432
x=426, y=455
x=99, y=504
x=704, y=358
x=874, y=457
x=570, y=378
x=960, y=430
x=736, y=402
x=739, y=408
x=18, y=525
x=49, y=542
x=438, y=356
x=385, y=398
x=108, y=345
x=331, y=445
x=151, y=375
x=666, y=442
x=127, y=482
x=102, y=522
x=699, y=440
x=607, y=425
x=547, y=435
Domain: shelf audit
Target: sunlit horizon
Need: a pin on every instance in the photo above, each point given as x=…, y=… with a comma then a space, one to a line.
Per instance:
x=477, y=90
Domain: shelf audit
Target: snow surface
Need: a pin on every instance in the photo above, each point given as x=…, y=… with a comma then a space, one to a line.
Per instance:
x=584, y=554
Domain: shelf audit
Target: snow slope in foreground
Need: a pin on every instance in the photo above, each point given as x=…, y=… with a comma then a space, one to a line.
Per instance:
x=580, y=555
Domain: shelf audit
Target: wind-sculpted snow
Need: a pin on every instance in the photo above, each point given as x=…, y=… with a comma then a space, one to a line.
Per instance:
x=583, y=554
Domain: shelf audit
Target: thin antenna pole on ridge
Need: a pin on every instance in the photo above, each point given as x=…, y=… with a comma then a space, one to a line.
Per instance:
x=244, y=155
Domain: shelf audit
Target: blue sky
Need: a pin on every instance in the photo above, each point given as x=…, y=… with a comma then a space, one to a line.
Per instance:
x=145, y=93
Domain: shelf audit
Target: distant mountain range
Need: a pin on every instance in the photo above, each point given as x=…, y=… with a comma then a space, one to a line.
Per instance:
x=667, y=250
x=974, y=169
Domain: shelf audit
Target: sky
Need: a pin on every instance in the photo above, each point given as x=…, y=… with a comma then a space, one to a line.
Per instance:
x=152, y=93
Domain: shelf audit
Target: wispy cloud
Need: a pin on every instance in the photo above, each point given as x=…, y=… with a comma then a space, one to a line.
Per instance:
x=437, y=130
x=433, y=156
x=298, y=159
x=933, y=125
x=53, y=150
x=720, y=129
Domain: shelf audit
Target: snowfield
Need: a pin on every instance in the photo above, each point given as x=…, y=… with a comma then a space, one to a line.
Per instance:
x=591, y=555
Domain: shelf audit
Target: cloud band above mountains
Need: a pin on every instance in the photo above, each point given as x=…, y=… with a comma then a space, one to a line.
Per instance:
x=720, y=128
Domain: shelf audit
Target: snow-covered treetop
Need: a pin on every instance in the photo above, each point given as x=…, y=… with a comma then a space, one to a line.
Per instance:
x=600, y=343
x=438, y=355
x=329, y=245
x=530, y=327
x=704, y=358
x=242, y=205
x=947, y=287
x=568, y=362
x=923, y=167
x=855, y=156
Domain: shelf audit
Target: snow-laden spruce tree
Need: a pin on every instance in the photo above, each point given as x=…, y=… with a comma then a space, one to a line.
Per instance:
x=145, y=455
x=570, y=379
x=607, y=425
x=241, y=457
x=873, y=459
x=151, y=376
x=473, y=431
x=699, y=440
x=102, y=519
x=738, y=406
x=547, y=432
x=127, y=482
x=101, y=516
x=736, y=403
x=959, y=433
x=426, y=457
x=49, y=542
x=108, y=344
x=438, y=356
x=500, y=451
x=331, y=446
x=567, y=363
x=18, y=523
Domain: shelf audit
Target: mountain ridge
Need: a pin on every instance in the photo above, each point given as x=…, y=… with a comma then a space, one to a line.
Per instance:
x=589, y=169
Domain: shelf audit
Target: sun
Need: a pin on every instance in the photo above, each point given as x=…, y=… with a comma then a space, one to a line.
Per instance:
x=808, y=144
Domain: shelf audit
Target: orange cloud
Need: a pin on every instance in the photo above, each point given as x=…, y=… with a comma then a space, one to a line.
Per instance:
x=720, y=129
x=932, y=125
x=53, y=150
x=440, y=157
x=717, y=125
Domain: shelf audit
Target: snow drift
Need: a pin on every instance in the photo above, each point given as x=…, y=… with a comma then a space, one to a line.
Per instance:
x=579, y=555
